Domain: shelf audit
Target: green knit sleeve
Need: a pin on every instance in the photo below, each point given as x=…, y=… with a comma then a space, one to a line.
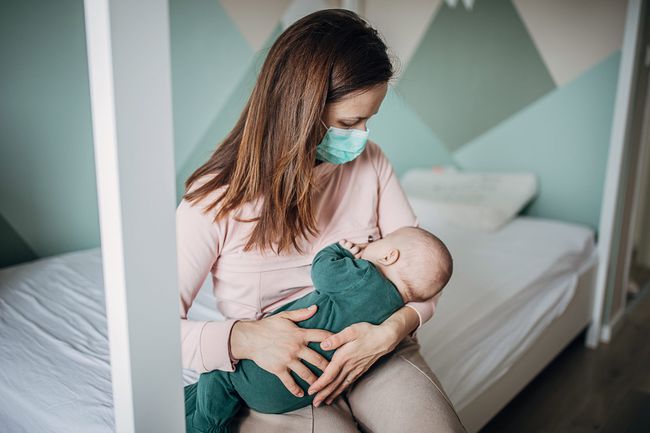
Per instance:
x=335, y=269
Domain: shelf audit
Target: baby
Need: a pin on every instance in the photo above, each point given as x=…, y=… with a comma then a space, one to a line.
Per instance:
x=352, y=283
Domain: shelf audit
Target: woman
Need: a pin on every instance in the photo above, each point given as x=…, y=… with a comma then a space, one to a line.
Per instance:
x=295, y=174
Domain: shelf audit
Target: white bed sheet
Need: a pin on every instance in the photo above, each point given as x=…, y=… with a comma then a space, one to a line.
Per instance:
x=506, y=288
x=54, y=359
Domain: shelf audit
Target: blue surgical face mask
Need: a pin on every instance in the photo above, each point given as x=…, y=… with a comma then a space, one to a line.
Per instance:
x=339, y=145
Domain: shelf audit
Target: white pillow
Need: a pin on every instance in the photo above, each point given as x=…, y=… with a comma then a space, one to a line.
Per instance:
x=474, y=200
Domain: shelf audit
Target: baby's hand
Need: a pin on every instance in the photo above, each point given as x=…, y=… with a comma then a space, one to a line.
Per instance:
x=355, y=249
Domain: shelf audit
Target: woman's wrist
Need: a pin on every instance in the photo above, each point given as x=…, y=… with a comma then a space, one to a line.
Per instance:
x=401, y=323
x=240, y=337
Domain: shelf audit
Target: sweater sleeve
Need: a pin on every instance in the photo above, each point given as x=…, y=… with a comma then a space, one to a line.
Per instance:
x=334, y=267
x=394, y=211
x=205, y=345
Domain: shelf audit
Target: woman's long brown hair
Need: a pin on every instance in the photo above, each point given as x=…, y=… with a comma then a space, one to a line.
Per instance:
x=271, y=151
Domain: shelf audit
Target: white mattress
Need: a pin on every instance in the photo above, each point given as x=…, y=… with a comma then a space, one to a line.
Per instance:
x=54, y=360
x=507, y=286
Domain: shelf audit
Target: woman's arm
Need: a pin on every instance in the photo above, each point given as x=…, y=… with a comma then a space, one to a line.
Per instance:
x=394, y=211
x=204, y=344
x=404, y=322
x=274, y=343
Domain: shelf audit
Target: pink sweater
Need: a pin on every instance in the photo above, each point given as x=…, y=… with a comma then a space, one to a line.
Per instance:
x=358, y=199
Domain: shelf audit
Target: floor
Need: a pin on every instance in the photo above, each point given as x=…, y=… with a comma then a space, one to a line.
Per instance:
x=606, y=390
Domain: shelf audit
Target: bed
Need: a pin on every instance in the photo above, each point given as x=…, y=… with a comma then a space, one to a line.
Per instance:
x=517, y=297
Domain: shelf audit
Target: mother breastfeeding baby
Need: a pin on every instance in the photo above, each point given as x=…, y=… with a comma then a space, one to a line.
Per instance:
x=353, y=284
x=264, y=215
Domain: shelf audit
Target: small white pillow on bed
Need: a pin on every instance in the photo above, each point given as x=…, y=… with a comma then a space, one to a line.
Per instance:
x=474, y=200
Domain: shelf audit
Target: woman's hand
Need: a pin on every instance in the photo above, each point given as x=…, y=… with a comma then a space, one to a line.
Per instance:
x=359, y=346
x=277, y=344
x=356, y=345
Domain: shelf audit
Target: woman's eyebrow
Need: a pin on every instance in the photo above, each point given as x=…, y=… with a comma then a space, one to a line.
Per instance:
x=357, y=117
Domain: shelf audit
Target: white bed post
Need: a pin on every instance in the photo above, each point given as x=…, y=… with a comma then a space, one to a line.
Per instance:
x=617, y=147
x=130, y=86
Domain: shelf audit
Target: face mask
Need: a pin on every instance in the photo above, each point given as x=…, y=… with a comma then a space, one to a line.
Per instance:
x=339, y=146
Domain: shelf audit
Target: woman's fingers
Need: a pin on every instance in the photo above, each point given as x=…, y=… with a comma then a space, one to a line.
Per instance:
x=336, y=340
x=327, y=391
x=303, y=372
x=301, y=314
x=314, y=334
x=325, y=379
x=314, y=358
x=290, y=384
x=349, y=379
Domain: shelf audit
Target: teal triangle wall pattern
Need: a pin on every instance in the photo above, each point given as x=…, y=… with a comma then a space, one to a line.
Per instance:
x=472, y=69
x=48, y=193
x=563, y=138
x=406, y=140
x=226, y=118
x=209, y=56
x=13, y=248
x=464, y=99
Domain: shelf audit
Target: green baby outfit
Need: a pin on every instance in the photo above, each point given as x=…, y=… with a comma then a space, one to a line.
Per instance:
x=346, y=290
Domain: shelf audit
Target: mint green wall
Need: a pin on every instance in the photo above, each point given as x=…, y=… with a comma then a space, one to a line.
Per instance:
x=47, y=179
x=563, y=137
x=472, y=70
x=475, y=94
x=225, y=117
x=406, y=140
x=209, y=57
x=14, y=249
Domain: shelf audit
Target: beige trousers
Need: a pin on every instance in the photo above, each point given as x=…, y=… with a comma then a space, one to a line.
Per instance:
x=399, y=393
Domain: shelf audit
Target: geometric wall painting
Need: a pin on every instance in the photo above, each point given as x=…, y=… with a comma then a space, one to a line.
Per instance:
x=389, y=16
x=208, y=57
x=299, y=8
x=13, y=248
x=563, y=138
x=223, y=121
x=472, y=69
x=256, y=20
x=405, y=139
x=572, y=36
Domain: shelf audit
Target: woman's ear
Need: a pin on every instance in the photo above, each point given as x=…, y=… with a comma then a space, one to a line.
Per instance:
x=390, y=258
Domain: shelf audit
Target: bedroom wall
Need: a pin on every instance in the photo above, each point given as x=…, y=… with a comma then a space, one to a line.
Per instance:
x=47, y=182
x=508, y=85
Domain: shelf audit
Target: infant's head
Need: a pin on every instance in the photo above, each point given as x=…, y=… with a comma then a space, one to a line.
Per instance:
x=415, y=260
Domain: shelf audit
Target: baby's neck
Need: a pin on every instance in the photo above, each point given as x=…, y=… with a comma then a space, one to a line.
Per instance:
x=390, y=273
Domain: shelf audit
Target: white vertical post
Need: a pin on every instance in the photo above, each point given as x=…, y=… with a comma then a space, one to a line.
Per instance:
x=617, y=147
x=129, y=66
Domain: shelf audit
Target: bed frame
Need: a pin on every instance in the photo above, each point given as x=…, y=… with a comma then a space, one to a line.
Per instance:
x=555, y=338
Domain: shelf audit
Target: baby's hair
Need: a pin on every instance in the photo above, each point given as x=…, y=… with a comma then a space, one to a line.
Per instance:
x=424, y=250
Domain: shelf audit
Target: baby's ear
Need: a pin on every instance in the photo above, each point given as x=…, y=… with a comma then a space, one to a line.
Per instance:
x=391, y=257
